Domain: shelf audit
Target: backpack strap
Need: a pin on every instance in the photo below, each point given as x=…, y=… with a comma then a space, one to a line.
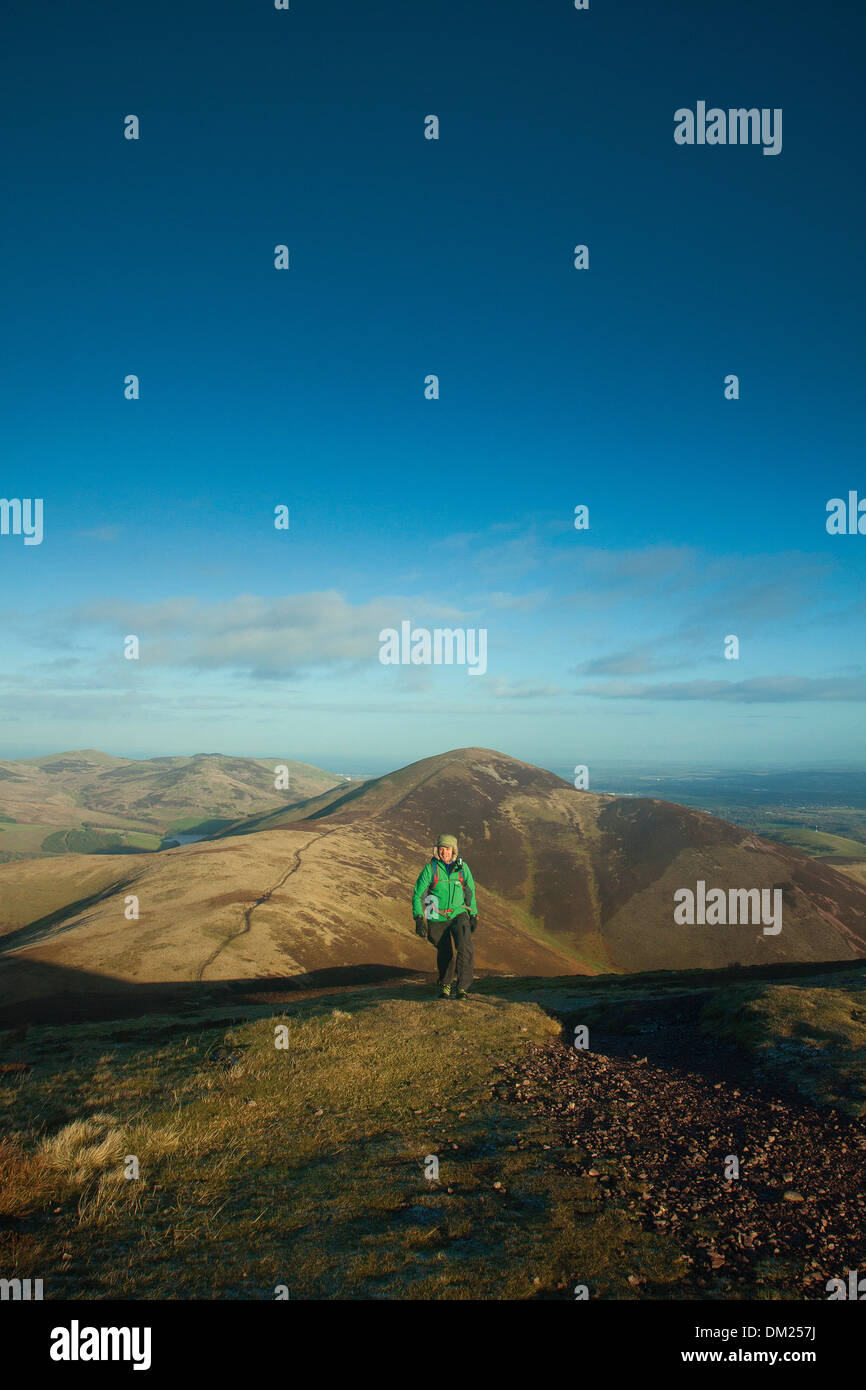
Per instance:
x=435, y=879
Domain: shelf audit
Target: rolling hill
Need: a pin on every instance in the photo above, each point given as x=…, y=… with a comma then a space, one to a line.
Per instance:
x=89, y=800
x=569, y=882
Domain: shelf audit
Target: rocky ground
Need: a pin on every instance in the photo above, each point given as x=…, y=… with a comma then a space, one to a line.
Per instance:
x=658, y=1134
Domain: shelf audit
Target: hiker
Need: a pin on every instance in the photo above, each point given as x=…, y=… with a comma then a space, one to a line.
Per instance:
x=446, y=914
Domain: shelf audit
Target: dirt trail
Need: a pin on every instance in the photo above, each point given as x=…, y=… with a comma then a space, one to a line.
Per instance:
x=657, y=1137
x=247, y=912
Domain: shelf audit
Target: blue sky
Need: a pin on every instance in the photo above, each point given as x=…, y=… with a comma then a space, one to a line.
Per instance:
x=557, y=386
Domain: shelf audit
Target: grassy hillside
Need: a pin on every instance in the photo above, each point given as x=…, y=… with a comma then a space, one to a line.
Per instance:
x=248, y=1155
x=806, y=1034
x=588, y=878
x=567, y=881
x=92, y=841
x=89, y=802
x=309, y=1167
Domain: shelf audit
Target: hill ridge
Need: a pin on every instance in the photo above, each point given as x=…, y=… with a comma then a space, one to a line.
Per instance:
x=567, y=880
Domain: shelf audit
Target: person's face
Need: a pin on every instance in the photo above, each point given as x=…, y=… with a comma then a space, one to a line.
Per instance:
x=446, y=854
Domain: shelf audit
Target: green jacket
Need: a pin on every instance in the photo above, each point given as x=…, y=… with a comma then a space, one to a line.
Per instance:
x=449, y=892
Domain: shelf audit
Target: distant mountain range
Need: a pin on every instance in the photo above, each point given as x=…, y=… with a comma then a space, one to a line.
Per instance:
x=569, y=881
x=92, y=801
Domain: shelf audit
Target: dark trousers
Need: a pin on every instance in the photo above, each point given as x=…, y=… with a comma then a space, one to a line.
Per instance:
x=449, y=936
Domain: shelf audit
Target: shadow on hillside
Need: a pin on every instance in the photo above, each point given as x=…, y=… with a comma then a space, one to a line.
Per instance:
x=52, y=922
x=33, y=991
x=627, y=1014
x=658, y=1015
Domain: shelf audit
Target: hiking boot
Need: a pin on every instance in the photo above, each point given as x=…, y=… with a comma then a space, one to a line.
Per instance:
x=444, y=991
x=462, y=994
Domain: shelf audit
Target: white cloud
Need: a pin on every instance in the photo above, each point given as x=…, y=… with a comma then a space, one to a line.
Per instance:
x=265, y=638
x=759, y=689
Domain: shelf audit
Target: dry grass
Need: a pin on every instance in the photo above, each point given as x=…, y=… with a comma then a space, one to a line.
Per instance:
x=303, y=1167
x=82, y=1149
x=809, y=1036
x=306, y=1167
